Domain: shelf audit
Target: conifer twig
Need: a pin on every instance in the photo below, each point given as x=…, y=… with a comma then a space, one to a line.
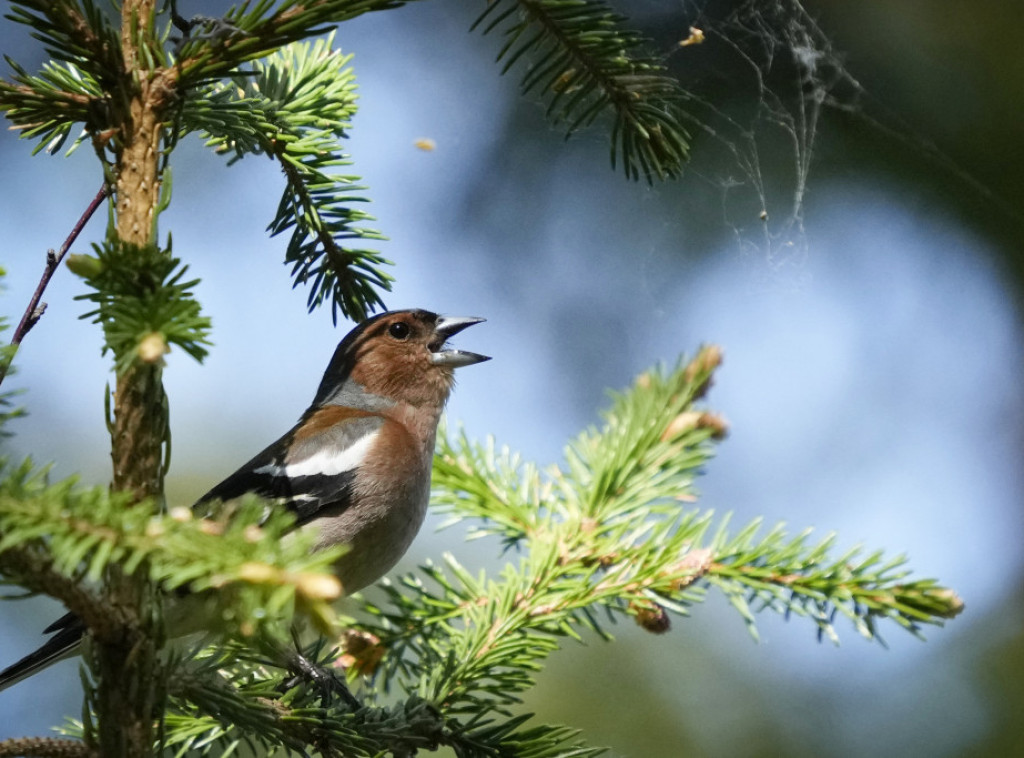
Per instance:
x=34, y=310
x=45, y=747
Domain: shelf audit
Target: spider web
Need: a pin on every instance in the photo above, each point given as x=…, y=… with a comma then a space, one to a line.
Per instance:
x=763, y=132
x=789, y=74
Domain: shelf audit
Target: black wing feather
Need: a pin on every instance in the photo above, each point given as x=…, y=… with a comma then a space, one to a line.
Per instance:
x=305, y=495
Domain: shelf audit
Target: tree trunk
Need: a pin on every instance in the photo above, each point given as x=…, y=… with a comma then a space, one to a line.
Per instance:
x=128, y=667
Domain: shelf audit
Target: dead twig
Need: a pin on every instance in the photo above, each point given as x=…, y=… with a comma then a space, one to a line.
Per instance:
x=35, y=309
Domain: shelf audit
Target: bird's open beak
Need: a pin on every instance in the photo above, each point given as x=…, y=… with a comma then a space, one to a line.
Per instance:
x=447, y=327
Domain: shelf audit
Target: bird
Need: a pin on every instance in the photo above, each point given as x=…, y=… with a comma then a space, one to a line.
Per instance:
x=355, y=468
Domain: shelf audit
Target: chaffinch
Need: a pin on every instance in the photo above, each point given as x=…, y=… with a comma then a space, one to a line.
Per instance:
x=356, y=467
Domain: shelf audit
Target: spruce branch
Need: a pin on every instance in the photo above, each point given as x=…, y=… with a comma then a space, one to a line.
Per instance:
x=607, y=535
x=142, y=302
x=235, y=697
x=296, y=107
x=47, y=106
x=224, y=698
x=585, y=64
x=789, y=576
x=82, y=84
x=74, y=535
x=254, y=30
x=231, y=698
x=77, y=31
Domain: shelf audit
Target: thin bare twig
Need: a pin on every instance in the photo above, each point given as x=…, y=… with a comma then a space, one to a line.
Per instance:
x=35, y=309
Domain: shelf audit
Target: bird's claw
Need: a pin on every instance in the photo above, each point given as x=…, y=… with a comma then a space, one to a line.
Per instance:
x=329, y=684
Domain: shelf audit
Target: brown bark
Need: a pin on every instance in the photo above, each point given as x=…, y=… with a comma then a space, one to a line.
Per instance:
x=140, y=428
x=140, y=419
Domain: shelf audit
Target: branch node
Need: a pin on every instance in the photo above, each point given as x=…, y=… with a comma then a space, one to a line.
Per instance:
x=35, y=315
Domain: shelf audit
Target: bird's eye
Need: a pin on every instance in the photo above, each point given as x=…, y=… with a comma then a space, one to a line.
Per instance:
x=399, y=330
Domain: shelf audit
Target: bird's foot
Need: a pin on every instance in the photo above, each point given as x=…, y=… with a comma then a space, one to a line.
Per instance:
x=327, y=681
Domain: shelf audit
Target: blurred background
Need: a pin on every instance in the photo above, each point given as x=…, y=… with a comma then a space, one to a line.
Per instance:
x=858, y=259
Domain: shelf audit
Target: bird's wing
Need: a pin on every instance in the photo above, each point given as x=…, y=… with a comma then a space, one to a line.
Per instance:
x=310, y=468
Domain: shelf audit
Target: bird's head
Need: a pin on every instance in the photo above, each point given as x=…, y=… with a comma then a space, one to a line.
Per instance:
x=398, y=356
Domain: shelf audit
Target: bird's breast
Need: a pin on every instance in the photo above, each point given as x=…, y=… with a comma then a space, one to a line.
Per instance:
x=378, y=528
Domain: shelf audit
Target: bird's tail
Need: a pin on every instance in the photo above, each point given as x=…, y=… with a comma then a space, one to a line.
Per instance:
x=61, y=645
